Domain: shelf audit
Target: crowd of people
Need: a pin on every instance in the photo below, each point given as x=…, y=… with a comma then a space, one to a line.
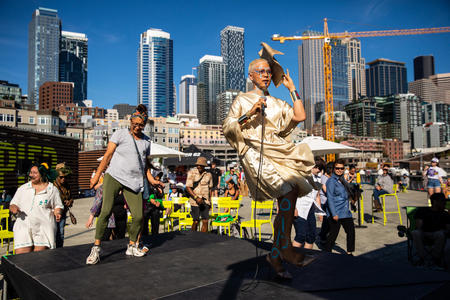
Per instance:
x=304, y=186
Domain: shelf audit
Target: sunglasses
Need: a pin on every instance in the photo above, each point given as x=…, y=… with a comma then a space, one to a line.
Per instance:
x=339, y=168
x=386, y=170
x=263, y=71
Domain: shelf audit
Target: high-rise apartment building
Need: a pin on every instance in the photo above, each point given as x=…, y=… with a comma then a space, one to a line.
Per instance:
x=232, y=51
x=54, y=94
x=224, y=101
x=356, y=70
x=311, y=79
x=211, y=82
x=188, y=95
x=363, y=114
x=386, y=77
x=423, y=67
x=155, y=73
x=73, y=63
x=44, y=33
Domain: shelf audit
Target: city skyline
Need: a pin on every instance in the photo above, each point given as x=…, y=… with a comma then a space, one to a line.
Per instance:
x=107, y=86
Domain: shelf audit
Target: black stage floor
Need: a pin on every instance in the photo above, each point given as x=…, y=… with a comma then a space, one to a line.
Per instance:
x=191, y=265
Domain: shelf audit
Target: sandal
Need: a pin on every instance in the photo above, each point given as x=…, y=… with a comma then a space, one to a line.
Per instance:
x=278, y=267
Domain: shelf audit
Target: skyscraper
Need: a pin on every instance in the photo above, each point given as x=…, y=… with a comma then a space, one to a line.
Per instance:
x=232, y=51
x=155, y=73
x=211, y=82
x=44, y=32
x=73, y=67
x=188, y=95
x=310, y=73
x=339, y=69
x=356, y=70
x=311, y=77
x=386, y=77
x=423, y=67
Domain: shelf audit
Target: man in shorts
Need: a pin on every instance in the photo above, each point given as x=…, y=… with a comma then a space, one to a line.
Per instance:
x=198, y=185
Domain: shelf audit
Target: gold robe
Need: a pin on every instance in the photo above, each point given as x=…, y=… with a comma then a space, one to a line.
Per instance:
x=284, y=163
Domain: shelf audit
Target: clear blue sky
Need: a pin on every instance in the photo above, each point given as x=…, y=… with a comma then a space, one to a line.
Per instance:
x=113, y=29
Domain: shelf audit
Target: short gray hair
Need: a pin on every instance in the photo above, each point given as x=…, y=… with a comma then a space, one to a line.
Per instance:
x=254, y=62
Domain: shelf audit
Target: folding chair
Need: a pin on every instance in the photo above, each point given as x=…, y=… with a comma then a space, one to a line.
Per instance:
x=256, y=222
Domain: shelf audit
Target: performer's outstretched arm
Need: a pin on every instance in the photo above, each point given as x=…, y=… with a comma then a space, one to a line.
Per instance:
x=299, y=110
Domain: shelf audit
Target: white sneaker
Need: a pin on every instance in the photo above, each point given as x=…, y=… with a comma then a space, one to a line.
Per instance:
x=134, y=251
x=94, y=256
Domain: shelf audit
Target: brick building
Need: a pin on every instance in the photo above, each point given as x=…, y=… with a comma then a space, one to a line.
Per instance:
x=74, y=112
x=54, y=94
x=393, y=149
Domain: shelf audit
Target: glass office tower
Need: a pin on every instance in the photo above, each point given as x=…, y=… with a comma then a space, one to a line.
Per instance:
x=73, y=65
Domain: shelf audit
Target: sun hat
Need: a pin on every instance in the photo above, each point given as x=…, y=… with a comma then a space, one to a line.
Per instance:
x=201, y=161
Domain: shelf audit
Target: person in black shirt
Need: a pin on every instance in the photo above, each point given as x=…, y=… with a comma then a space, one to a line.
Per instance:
x=215, y=172
x=432, y=227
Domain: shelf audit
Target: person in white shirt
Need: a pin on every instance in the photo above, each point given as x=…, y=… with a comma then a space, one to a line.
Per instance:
x=38, y=207
x=305, y=208
x=435, y=176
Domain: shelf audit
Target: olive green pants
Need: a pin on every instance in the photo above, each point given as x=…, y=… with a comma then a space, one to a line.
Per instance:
x=111, y=188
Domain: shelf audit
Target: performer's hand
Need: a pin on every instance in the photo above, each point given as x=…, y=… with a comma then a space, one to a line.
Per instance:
x=257, y=107
x=287, y=81
x=14, y=209
x=336, y=218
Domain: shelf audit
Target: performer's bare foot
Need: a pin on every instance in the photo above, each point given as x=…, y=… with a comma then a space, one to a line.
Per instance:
x=278, y=267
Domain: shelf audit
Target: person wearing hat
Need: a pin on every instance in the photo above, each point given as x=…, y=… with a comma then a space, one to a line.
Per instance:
x=434, y=175
x=284, y=164
x=66, y=197
x=198, y=186
x=38, y=207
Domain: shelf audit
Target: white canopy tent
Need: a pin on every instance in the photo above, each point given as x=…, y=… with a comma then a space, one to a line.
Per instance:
x=319, y=146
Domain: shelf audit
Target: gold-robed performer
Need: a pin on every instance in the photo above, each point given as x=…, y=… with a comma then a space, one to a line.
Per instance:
x=284, y=164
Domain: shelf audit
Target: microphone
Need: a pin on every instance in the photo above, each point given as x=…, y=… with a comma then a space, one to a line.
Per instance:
x=263, y=107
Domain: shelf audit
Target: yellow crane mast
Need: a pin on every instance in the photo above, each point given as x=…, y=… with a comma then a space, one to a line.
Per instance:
x=328, y=77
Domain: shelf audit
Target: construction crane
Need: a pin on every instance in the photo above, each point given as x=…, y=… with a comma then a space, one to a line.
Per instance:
x=328, y=77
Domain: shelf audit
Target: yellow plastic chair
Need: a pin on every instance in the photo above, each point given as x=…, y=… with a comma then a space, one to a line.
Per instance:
x=215, y=203
x=187, y=220
x=383, y=200
x=266, y=205
x=165, y=219
x=5, y=234
x=232, y=205
x=182, y=213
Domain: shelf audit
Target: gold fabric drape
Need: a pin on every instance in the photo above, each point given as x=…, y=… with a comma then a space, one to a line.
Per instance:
x=283, y=162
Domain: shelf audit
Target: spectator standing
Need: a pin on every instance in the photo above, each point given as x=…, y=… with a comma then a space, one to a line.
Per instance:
x=66, y=197
x=198, y=185
x=432, y=227
x=304, y=215
x=36, y=205
x=383, y=185
x=340, y=215
x=435, y=176
x=323, y=202
x=216, y=174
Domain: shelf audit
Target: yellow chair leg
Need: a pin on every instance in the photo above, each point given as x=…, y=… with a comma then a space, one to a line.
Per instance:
x=260, y=233
x=241, y=232
x=362, y=209
x=384, y=211
x=399, y=213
